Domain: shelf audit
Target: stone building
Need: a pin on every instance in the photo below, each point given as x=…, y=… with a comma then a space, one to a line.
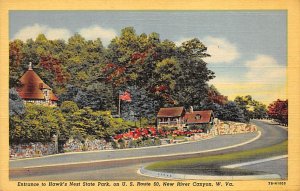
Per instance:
x=180, y=118
x=34, y=90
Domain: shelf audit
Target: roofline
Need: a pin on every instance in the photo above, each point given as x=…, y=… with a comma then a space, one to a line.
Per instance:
x=36, y=99
x=196, y=122
x=169, y=116
x=171, y=107
x=211, y=111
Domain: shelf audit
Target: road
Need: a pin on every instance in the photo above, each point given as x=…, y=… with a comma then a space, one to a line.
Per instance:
x=122, y=164
x=273, y=167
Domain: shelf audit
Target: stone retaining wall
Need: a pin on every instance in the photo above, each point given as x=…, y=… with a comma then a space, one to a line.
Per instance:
x=30, y=150
x=229, y=128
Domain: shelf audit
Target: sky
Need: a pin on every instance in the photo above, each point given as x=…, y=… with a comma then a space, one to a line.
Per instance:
x=248, y=48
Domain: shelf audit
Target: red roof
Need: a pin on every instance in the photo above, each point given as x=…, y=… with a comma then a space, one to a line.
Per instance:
x=32, y=86
x=198, y=116
x=170, y=112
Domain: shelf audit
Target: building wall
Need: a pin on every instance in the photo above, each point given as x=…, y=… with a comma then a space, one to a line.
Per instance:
x=170, y=122
x=41, y=102
x=180, y=123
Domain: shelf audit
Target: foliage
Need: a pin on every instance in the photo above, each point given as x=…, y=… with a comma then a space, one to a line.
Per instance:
x=250, y=107
x=169, y=74
x=69, y=107
x=38, y=124
x=141, y=106
x=259, y=110
x=87, y=77
x=233, y=112
x=278, y=110
x=15, y=59
x=97, y=124
x=91, y=75
x=16, y=105
x=215, y=96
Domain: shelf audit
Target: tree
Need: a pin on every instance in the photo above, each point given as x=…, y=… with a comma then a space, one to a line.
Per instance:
x=232, y=112
x=16, y=105
x=278, y=110
x=69, y=107
x=215, y=96
x=85, y=72
x=15, y=60
x=173, y=75
x=191, y=88
x=245, y=102
x=141, y=105
x=251, y=108
x=38, y=124
x=96, y=95
x=86, y=123
x=259, y=110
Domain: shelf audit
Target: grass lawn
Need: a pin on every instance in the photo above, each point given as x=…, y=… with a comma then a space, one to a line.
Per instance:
x=212, y=164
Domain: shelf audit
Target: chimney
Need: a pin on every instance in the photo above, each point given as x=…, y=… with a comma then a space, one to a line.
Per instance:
x=30, y=66
x=191, y=109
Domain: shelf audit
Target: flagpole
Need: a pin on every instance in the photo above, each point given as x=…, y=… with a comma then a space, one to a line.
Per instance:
x=119, y=112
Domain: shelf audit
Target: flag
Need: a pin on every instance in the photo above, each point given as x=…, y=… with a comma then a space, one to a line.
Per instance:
x=125, y=96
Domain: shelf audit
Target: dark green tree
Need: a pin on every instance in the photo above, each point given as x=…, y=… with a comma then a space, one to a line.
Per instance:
x=38, y=123
x=16, y=105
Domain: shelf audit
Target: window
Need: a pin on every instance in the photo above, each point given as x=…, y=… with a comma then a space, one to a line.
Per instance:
x=198, y=116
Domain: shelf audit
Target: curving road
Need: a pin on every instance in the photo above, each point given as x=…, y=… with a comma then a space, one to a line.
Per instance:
x=122, y=164
x=214, y=143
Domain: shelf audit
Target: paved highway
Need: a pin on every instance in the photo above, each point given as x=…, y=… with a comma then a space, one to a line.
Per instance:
x=214, y=143
x=126, y=169
x=279, y=166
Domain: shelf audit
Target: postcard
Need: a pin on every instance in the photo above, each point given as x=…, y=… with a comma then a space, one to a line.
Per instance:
x=145, y=95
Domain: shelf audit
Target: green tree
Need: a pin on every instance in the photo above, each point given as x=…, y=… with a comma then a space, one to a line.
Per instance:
x=251, y=107
x=259, y=110
x=96, y=124
x=245, y=102
x=69, y=107
x=191, y=88
x=173, y=75
x=38, y=123
x=233, y=112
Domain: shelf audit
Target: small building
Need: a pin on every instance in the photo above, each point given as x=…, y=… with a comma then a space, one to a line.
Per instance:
x=171, y=117
x=34, y=90
x=199, y=119
x=180, y=118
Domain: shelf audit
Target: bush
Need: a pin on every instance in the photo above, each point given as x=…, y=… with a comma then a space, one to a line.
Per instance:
x=114, y=145
x=121, y=144
x=157, y=141
x=148, y=142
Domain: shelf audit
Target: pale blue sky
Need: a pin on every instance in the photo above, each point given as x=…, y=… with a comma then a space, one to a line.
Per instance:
x=247, y=47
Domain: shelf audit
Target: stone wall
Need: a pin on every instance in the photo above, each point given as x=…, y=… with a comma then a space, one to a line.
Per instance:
x=30, y=150
x=229, y=127
x=74, y=145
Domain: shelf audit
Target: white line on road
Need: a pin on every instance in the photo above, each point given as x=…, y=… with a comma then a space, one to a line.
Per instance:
x=255, y=162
